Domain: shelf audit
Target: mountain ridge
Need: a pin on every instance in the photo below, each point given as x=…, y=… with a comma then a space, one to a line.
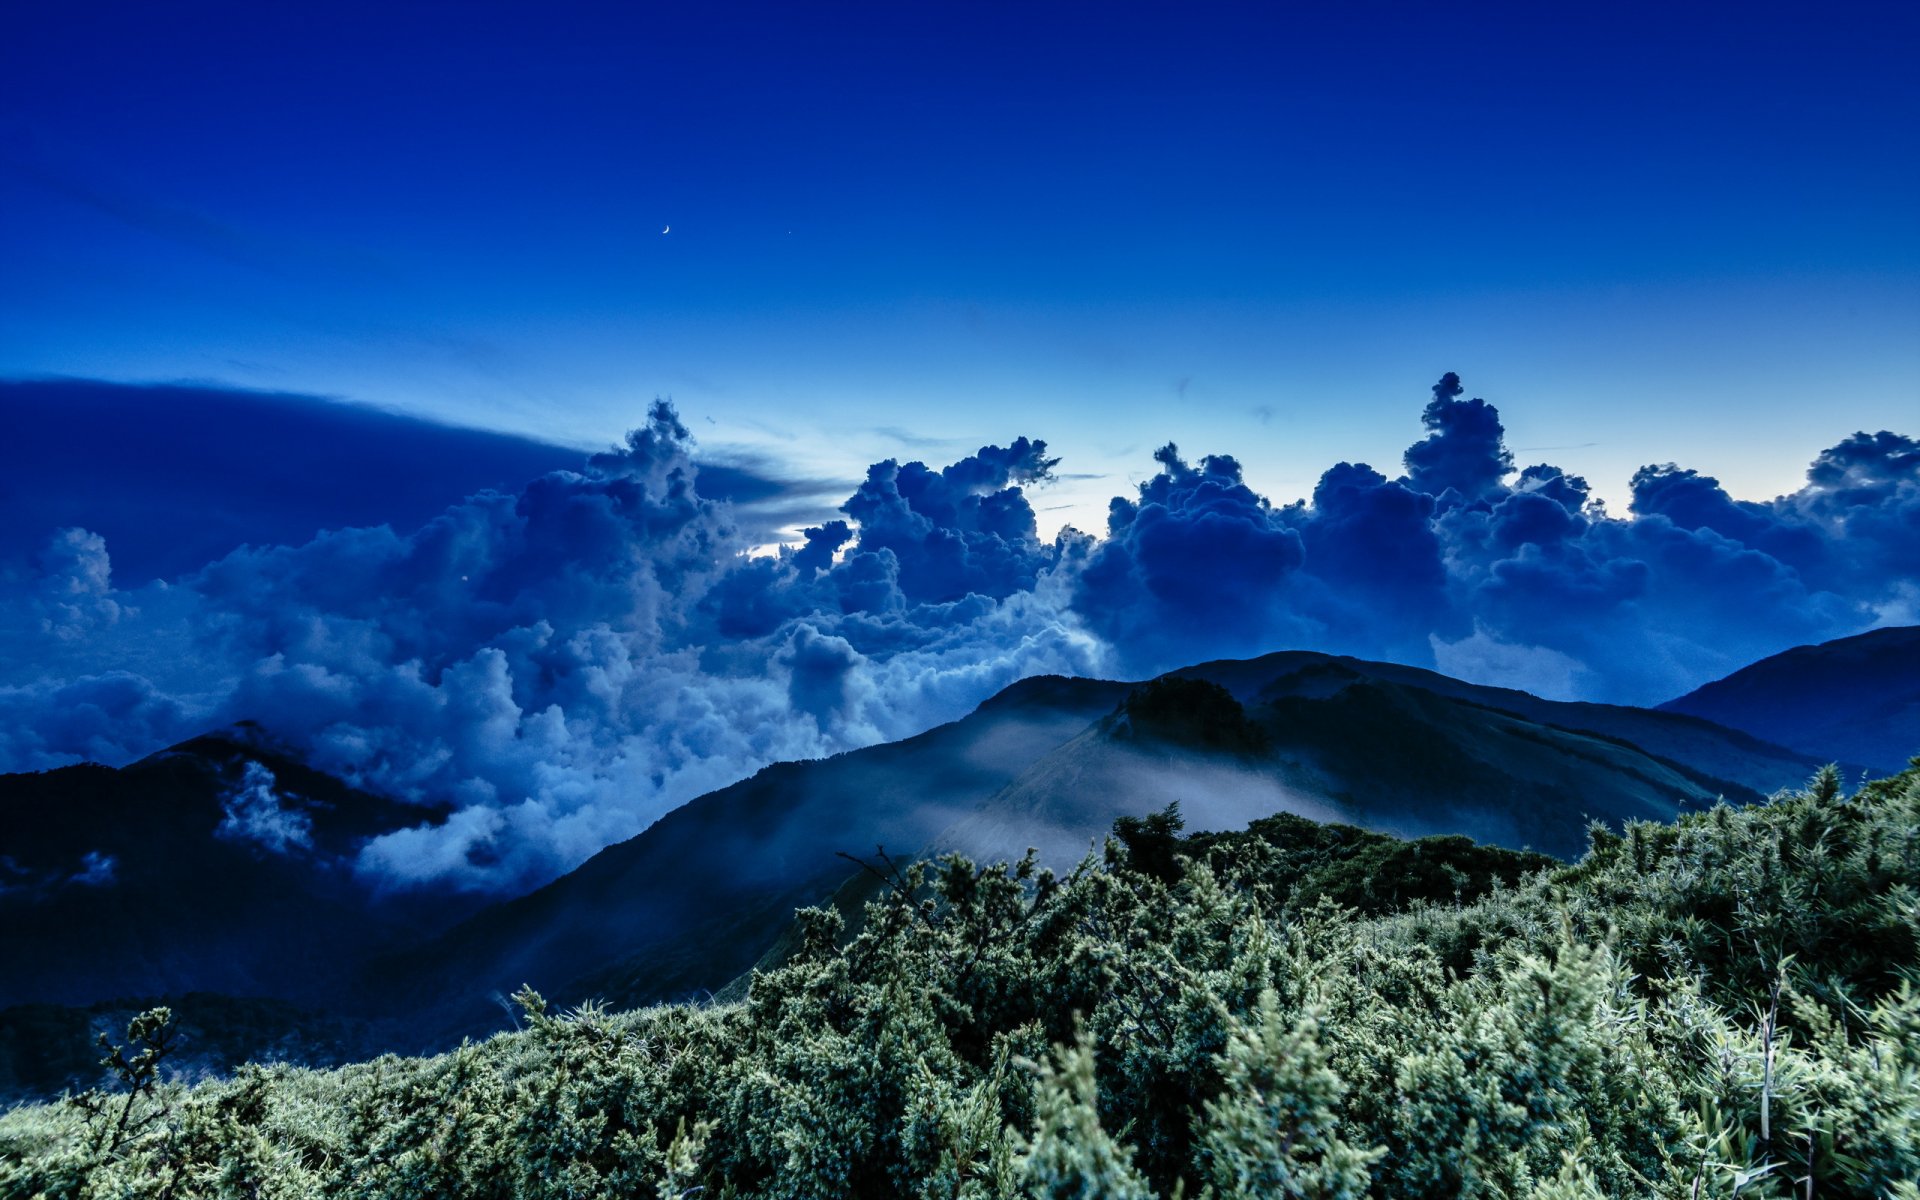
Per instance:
x=698, y=898
x=1854, y=698
x=612, y=904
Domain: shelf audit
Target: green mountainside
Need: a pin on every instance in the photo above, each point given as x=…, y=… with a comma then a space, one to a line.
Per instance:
x=694, y=900
x=1723, y=1005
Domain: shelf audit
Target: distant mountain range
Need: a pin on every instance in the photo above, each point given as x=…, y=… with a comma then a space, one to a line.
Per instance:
x=224, y=867
x=1855, y=699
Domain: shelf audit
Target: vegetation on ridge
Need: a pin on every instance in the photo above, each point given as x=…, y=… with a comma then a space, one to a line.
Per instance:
x=1725, y=1006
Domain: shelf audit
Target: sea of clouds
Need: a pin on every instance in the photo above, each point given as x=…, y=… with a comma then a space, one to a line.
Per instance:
x=568, y=661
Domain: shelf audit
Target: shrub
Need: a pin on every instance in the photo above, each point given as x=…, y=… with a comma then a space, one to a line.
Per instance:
x=1724, y=1006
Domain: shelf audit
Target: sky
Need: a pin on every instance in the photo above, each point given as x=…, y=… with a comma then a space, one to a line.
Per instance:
x=553, y=414
x=1649, y=233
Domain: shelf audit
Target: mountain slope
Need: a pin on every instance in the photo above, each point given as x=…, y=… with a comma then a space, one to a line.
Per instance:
x=1605, y=1028
x=1714, y=751
x=218, y=865
x=694, y=900
x=182, y=894
x=1855, y=699
x=1333, y=740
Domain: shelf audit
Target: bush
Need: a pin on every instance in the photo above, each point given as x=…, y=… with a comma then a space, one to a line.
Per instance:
x=1724, y=1006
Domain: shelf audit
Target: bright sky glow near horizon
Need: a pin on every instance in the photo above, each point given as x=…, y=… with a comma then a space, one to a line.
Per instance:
x=1646, y=233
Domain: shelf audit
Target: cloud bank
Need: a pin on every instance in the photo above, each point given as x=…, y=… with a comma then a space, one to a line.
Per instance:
x=174, y=476
x=567, y=661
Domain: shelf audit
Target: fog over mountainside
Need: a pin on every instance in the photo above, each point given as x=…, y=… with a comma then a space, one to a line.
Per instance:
x=1339, y=739
x=564, y=663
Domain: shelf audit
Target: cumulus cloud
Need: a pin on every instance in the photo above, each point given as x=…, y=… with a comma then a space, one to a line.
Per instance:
x=566, y=661
x=254, y=812
x=76, y=588
x=176, y=475
x=1517, y=579
x=112, y=717
x=1196, y=566
x=1463, y=457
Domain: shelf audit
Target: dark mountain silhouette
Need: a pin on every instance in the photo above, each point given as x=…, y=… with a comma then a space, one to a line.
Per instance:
x=1713, y=750
x=1856, y=699
x=220, y=865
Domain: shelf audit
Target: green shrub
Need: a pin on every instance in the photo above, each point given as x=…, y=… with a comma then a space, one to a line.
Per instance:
x=1724, y=1006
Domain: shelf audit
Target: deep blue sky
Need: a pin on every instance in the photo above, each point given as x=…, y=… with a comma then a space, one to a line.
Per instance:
x=1647, y=233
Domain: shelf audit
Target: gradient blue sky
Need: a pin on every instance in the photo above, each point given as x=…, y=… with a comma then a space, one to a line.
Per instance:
x=1647, y=233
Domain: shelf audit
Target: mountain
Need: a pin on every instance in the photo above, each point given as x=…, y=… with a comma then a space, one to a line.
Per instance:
x=694, y=900
x=1336, y=739
x=1713, y=750
x=1856, y=699
x=219, y=865
x=224, y=867
x=1542, y=1030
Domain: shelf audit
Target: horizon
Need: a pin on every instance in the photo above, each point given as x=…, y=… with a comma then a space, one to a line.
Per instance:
x=1089, y=492
x=997, y=341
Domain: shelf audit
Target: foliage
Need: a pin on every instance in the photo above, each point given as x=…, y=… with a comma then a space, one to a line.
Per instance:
x=110, y=1120
x=1193, y=713
x=1368, y=872
x=1721, y=1007
x=47, y=1048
